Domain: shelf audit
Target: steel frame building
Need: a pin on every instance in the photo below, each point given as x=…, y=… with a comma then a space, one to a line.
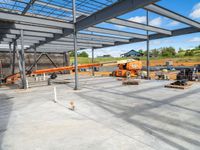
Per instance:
x=64, y=25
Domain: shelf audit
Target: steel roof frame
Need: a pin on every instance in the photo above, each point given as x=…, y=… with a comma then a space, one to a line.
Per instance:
x=39, y=31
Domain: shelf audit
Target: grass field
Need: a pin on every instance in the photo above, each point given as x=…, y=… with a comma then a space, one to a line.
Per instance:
x=185, y=61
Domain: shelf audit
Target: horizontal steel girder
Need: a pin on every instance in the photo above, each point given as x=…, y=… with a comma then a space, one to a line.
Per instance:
x=58, y=7
x=167, y=13
x=117, y=9
x=29, y=33
x=141, y=26
x=42, y=21
x=116, y=32
x=85, y=41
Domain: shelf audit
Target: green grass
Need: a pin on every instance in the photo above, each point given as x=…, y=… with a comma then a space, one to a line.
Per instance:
x=84, y=60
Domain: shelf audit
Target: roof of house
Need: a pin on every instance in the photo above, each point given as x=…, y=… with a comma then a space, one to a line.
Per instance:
x=132, y=51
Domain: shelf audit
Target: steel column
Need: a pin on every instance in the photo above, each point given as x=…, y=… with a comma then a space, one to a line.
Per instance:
x=35, y=57
x=92, y=61
x=24, y=82
x=10, y=55
x=66, y=61
x=148, y=69
x=20, y=65
x=75, y=46
x=13, y=60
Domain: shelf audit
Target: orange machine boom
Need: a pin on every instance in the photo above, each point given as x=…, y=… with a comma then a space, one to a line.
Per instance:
x=16, y=76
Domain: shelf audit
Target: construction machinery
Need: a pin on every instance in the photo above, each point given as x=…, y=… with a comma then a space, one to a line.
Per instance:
x=128, y=68
x=12, y=78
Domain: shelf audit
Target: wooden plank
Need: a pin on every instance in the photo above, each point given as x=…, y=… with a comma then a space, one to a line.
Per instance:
x=178, y=86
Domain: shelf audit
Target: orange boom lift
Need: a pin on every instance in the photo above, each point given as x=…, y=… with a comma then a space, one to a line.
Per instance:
x=12, y=78
x=128, y=68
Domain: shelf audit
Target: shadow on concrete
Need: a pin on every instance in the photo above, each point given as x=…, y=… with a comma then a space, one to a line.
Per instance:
x=5, y=111
x=128, y=114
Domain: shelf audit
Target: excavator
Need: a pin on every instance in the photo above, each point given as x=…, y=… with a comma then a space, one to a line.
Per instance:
x=126, y=68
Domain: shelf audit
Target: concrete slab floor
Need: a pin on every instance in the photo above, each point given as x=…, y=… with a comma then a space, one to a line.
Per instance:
x=107, y=116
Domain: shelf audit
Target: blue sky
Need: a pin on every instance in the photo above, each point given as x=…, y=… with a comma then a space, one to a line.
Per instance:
x=188, y=8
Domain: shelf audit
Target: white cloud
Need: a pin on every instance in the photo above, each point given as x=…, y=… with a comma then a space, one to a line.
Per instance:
x=142, y=19
x=156, y=22
x=119, y=27
x=195, y=39
x=173, y=23
x=195, y=14
x=139, y=19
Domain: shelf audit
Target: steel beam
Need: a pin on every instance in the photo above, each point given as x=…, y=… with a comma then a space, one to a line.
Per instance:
x=92, y=61
x=24, y=81
x=20, y=66
x=29, y=33
x=75, y=45
x=58, y=7
x=68, y=41
x=13, y=60
x=117, y=9
x=10, y=36
x=35, y=57
x=148, y=55
x=109, y=12
x=31, y=2
x=60, y=44
x=34, y=20
x=89, y=41
x=116, y=32
x=101, y=37
x=170, y=14
x=10, y=55
x=36, y=28
x=177, y=32
x=141, y=26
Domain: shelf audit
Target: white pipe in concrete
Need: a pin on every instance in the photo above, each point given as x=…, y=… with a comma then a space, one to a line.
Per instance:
x=55, y=94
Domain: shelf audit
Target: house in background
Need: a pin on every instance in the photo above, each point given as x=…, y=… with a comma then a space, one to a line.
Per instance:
x=132, y=53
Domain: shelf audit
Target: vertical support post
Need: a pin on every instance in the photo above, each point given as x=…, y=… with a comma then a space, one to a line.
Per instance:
x=92, y=61
x=13, y=59
x=66, y=61
x=35, y=58
x=75, y=46
x=23, y=60
x=19, y=65
x=10, y=55
x=148, y=68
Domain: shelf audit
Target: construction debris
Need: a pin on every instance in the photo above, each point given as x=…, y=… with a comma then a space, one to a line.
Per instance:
x=130, y=82
x=180, y=84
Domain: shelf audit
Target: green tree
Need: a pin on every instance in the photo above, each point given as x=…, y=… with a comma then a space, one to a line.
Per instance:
x=83, y=54
x=168, y=51
x=71, y=54
x=155, y=52
x=181, y=50
x=141, y=51
x=197, y=48
x=189, y=53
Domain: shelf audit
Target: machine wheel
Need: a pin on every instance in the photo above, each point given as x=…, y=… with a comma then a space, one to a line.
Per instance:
x=128, y=74
x=114, y=74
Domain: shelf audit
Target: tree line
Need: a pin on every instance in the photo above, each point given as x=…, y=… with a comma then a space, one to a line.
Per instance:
x=171, y=52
